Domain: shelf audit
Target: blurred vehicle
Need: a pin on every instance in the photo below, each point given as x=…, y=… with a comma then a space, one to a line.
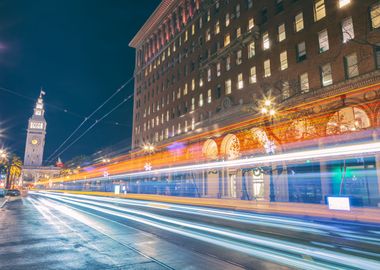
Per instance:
x=2, y=192
x=13, y=192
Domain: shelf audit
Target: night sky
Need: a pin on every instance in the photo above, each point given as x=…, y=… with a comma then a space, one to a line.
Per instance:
x=77, y=50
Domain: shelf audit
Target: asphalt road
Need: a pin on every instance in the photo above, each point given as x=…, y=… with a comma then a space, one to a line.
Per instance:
x=62, y=231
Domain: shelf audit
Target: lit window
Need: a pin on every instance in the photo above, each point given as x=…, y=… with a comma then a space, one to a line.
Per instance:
x=179, y=93
x=193, y=123
x=266, y=43
x=179, y=128
x=228, y=87
x=326, y=75
x=319, y=10
x=285, y=90
x=323, y=39
x=304, y=83
x=251, y=24
x=200, y=82
x=348, y=29
x=267, y=71
x=240, y=83
x=252, y=75
x=343, y=3
x=185, y=90
x=208, y=35
x=217, y=28
x=218, y=69
x=228, y=63
x=208, y=15
x=186, y=36
x=200, y=100
x=227, y=40
x=238, y=32
x=238, y=57
x=301, y=51
x=209, y=97
x=299, y=22
x=281, y=32
x=193, y=29
x=227, y=19
x=375, y=16
x=209, y=75
x=192, y=104
x=193, y=84
x=237, y=9
x=186, y=127
x=284, y=60
x=351, y=65
x=251, y=49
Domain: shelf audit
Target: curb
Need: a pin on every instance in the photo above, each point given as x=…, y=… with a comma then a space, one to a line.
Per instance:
x=6, y=200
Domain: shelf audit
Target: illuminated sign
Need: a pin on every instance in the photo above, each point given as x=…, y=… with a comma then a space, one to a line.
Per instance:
x=339, y=203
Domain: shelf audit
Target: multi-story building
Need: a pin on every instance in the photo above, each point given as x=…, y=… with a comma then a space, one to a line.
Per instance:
x=204, y=65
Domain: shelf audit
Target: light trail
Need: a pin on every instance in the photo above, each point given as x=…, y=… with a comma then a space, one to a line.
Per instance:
x=332, y=152
x=266, y=248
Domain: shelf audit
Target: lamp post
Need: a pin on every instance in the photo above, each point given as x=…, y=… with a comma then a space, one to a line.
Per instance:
x=268, y=109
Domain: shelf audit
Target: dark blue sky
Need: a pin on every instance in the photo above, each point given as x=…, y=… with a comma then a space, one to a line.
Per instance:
x=78, y=51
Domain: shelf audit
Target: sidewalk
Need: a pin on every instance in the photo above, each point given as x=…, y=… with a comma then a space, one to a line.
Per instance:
x=371, y=215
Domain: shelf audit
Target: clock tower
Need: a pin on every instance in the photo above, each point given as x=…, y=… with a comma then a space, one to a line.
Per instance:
x=35, y=139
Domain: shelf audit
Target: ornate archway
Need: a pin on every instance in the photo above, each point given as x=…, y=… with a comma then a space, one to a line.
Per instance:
x=210, y=149
x=230, y=147
x=348, y=120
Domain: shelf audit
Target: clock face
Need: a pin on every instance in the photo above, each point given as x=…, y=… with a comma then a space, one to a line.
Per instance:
x=36, y=125
x=35, y=141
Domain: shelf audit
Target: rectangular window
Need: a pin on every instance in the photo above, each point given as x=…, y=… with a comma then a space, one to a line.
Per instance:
x=228, y=63
x=240, y=83
x=343, y=3
x=193, y=84
x=193, y=29
x=209, y=97
x=238, y=57
x=252, y=75
x=323, y=39
x=285, y=90
x=351, y=65
x=185, y=90
x=347, y=29
x=200, y=100
x=192, y=104
x=377, y=55
x=228, y=87
x=301, y=51
x=193, y=123
x=251, y=49
x=237, y=9
x=250, y=3
x=284, y=60
x=227, y=40
x=238, y=32
x=375, y=16
x=218, y=69
x=281, y=32
x=298, y=22
x=266, y=43
x=326, y=75
x=208, y=35
x=209, y=75
x=267, y=71
x=279, y=6
x=217, y=27
x=304, y=83
x=251, y=24
x=319, y=10
x=227, y=19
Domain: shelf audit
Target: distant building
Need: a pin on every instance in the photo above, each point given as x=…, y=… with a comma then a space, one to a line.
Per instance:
x=33, y=168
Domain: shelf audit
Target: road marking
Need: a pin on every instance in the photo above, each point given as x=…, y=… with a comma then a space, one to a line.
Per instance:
x=6, y=200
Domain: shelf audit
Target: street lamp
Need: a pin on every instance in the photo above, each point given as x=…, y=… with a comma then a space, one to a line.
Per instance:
x=268, y=109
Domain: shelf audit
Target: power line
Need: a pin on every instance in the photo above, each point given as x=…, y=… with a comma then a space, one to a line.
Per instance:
x=94, y=124
x=88, y=117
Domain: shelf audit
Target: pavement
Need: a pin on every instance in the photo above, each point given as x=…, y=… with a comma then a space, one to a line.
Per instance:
x=3, y=201
x=66, y=231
